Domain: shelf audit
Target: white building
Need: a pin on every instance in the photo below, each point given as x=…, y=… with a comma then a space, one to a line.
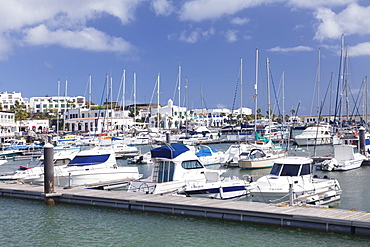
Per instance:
x=99, y=125
x=61, y=104
x=8, y=100
x=35, y=125
x=170, y=115
x=8, y=126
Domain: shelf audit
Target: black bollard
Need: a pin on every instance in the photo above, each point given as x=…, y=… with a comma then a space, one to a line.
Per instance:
x=168, y=137
x=362, y=140
x=48, y=168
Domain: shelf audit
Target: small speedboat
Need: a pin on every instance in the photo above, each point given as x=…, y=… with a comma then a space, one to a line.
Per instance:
x=346, y=157
x=292, y=176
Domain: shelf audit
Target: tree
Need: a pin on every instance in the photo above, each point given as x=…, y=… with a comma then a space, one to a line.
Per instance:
x=20, y=111
x=133, y=113
x=293, y=112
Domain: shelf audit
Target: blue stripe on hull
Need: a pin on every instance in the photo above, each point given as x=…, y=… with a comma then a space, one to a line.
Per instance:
x=215, y=190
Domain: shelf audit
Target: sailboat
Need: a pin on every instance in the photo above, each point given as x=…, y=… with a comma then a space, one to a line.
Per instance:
x=263, y=157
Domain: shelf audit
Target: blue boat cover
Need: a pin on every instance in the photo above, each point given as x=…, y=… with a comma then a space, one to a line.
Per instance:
x=169, y=151
x=116, y=138
x=89, y=160
x=206, y=152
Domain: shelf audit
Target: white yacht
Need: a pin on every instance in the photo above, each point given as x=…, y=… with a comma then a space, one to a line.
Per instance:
x=314, y=135
x=88, y=167
x=177, y=171
x=346, y=157
x=209, y=156
x=35, y=169
x=294, y=174
x=258, y=159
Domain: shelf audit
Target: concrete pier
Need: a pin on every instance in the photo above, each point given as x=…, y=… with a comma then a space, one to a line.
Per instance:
x=321, y=219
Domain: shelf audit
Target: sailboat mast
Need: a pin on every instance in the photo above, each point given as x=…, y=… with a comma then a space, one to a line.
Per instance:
x=241, y=87
x=65, y=100
x=123, y=92
x=134, y=111
x=365, y=97
x=268, y=95
x=89, y=103
x=58, y=109
x=255, y=94
x=179, y=86
x=186, y=106
x=318, y=82
x=346, y=84
x=158, y=91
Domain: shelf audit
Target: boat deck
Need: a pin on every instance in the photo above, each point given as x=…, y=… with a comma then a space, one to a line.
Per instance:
x=322, y=219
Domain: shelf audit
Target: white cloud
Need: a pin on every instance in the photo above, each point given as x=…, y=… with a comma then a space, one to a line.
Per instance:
x=362, y=49
x=290, y=49
x=195, y=35
x=86, y=39
x=240, y=21
x=352, y=20
x=162, y=7
x=199, y=10
x=231, y=35
x=5, y=47
x=314, y=4
x=34, y=18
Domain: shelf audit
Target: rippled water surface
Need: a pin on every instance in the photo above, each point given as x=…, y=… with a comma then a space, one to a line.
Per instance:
x=31, y=223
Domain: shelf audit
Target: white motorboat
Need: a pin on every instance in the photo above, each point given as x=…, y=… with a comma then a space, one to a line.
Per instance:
x=209, y=156
x=258, y=159
x=121, y=149
x=89, y=167
x=239, y=151
x=314, y=135
x=346, y=157
x=293, y=176
x=177, y=171
x=231, y=156
x=35, y=169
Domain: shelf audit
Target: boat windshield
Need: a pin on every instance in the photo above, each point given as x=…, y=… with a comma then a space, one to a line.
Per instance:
x=285, y=170
x=191, y=164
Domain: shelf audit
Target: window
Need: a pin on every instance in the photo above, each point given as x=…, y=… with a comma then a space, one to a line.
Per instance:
x=275, y=170
x=165, y=172
x=306, y=169
x=290, y=170
x=191, y=164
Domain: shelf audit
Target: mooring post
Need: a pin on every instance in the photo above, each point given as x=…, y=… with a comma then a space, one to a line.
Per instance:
x=168, y=138
x=291, y=197
x=49, y=173
x=362, y=140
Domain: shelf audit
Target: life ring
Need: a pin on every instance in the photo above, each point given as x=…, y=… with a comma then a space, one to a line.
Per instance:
x=355, y=134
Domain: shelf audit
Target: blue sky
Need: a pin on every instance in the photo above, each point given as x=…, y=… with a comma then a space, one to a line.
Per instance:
x=69, y=40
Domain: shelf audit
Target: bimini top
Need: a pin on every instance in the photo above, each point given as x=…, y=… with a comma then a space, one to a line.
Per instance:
x=206, y=152
x=89, y=160
x=169, y=151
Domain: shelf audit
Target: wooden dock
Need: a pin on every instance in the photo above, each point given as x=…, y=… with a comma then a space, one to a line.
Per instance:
x=321, y=219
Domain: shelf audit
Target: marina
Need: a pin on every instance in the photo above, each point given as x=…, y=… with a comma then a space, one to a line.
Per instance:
x=348, y=216
x=339, y=221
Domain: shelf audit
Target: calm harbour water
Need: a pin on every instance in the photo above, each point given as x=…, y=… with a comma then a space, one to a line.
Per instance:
x=31, y=223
